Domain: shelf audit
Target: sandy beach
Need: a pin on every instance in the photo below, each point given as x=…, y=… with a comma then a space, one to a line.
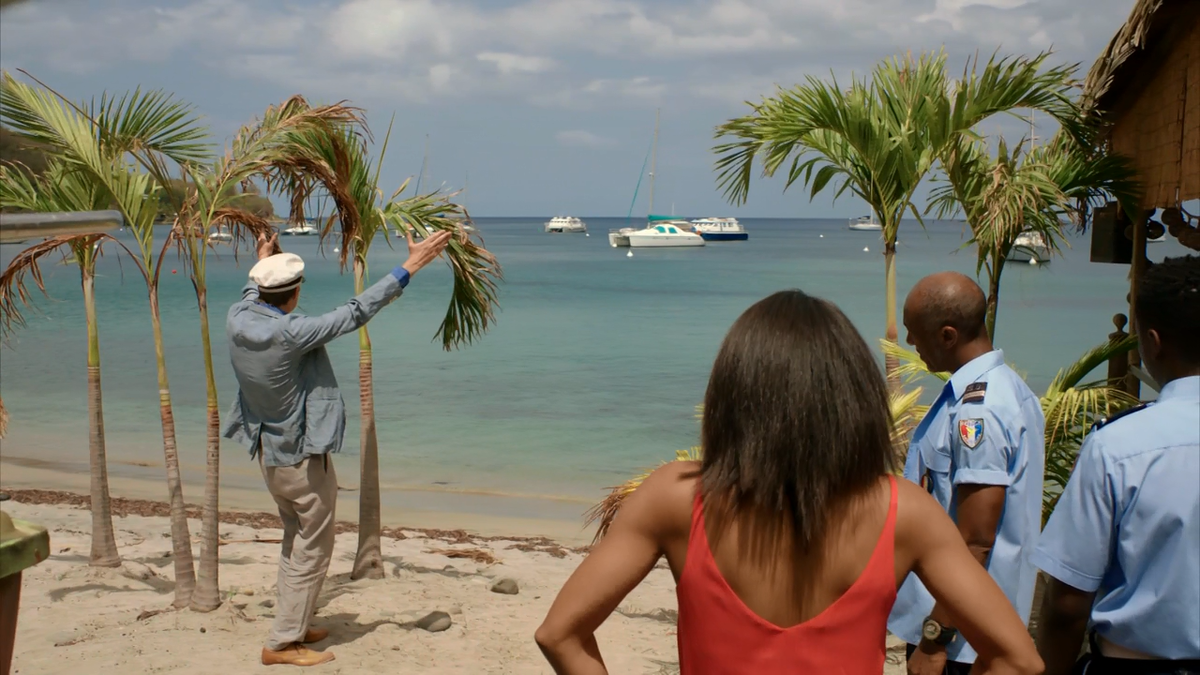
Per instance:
x=79, y=619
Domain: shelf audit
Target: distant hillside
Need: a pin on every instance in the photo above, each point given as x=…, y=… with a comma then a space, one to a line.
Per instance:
x=13, y=148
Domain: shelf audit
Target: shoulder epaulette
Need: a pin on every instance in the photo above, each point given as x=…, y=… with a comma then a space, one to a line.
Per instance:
x=1100, y=423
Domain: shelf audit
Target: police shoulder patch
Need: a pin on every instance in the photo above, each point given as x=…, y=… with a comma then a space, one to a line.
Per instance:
x=970, y=432
x=1100, y=423
x=975, y=392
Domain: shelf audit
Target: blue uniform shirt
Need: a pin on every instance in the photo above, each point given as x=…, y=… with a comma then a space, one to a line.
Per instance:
x=1128, y=526
x=986, y=428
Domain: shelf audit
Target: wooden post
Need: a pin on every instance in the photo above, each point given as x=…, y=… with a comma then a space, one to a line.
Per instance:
x=1138, y=266
x=1118, y=366
x=10, y=602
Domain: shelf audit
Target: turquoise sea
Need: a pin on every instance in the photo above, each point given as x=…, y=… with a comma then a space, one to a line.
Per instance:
x=591, y=372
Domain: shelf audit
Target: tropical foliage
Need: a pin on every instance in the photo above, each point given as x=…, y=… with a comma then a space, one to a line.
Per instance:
x=1024, y=189
x=880, y=137
x=117, y=152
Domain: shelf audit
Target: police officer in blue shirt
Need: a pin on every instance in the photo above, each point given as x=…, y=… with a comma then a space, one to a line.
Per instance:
x=980, y=452
x=1123, y=545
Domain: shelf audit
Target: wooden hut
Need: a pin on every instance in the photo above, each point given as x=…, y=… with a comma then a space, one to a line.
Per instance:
x=1146, y=89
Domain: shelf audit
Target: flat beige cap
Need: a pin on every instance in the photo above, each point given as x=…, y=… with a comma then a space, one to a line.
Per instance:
x=280, y=272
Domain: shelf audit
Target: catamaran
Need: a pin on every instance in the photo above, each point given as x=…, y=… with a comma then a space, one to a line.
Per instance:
x=660, y=231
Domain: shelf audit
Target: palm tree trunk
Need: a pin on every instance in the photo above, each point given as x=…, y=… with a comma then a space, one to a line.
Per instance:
x=208, y=596
x=181, y=539
x=104, y=542
x=891, y=363
x=368, y=561
x=993, y=298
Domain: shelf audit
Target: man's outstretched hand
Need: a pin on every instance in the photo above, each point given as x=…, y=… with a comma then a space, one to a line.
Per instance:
x=268, y=245
x=422, y=253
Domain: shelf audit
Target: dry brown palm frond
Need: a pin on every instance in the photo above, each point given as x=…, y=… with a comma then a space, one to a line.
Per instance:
x=478, y=555
x=26, y=265
x=3, y=419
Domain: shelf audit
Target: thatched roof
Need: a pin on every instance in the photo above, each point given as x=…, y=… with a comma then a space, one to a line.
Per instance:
x=1150, y=21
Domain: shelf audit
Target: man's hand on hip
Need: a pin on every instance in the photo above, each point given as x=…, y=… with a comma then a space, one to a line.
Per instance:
x=422, y=253
x=268, y=245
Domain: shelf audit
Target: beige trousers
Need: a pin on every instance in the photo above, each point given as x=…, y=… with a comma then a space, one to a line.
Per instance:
x=306, y=495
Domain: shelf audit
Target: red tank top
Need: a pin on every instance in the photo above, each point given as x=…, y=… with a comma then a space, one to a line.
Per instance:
x=719, y=635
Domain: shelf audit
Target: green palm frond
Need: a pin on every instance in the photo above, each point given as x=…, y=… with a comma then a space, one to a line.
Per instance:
x=912, y=368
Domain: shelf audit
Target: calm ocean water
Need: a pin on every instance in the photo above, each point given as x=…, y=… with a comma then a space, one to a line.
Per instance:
x=591, y=372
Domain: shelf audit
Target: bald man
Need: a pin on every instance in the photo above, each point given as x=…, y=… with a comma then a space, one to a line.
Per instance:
x=980, y=452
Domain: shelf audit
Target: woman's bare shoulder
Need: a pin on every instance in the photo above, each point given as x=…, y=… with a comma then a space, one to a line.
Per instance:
x=664, y=499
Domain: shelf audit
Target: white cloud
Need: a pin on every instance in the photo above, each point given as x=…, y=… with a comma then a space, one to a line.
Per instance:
x=581, y=139
x=584, y=53
x=509, y=64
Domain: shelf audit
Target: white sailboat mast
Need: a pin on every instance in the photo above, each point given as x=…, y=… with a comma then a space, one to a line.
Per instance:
x=653, y=161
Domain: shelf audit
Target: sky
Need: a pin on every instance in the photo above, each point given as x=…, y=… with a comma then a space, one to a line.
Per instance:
x=539, y=106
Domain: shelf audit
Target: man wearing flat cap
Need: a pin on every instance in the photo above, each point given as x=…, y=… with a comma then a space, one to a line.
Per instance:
x=291, y=416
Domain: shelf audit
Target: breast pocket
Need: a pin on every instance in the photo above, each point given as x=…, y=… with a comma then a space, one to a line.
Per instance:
x=324, y=424
x=937, y=472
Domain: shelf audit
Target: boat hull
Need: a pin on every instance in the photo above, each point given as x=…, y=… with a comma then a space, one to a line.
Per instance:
x=866, y=228
x=663, y=241
x=1038, y=254
x=724, y=236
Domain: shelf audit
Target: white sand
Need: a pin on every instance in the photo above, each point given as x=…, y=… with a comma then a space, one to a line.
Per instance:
x=76, y=619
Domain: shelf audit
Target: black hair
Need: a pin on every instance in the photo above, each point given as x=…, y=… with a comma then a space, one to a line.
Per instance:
x=796, y=424
x=278, y=298
x=1168, y=301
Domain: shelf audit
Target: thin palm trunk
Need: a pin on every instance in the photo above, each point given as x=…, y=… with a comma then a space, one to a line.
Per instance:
x=993, y=298
x=181, y=538
x=208, y=596
x=891, y=363
x=368, y=561
x=104, y=542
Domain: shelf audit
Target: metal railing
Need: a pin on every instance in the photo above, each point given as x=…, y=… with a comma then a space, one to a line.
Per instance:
x=16, y=227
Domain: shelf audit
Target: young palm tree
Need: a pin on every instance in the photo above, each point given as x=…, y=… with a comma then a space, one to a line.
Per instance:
x=1020, y=191
x=59, y=190
x=363, y=215
x=882, y=136
x=216, y=201
x=97, y=140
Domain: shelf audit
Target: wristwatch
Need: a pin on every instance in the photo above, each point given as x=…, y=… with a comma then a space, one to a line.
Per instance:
x=937, y=633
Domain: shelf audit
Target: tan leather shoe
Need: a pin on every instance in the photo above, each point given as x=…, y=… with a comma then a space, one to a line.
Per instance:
x=314, y=635
x=295, y=654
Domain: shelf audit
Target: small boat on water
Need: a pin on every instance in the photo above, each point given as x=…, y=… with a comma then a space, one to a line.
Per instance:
x=221, y=235
x=1030, y=247
x=565, y=224
x=301, y=230
x=720, y=229
x=865, y=224
x=665, y=234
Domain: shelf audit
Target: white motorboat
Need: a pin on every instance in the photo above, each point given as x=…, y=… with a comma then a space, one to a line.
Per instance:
x=865, y=224
x=221, y=235
x=720, y=229
x=665, y=234
x=301, y=230
x=565, y=224
x=1030, y=247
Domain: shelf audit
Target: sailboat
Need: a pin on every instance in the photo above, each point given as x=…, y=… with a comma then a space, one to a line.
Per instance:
x=660, y=231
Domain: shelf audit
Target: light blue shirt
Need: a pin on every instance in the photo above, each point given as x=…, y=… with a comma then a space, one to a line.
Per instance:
x=1128, y=526
x=986, y=428
x=288, y=402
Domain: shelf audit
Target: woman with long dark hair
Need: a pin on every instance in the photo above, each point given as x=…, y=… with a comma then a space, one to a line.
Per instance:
x=789, y=540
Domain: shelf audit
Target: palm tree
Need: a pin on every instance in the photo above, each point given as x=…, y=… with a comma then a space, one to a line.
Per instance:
x=1020, y=191
x=55, y=190
x=97, y=140
x=267, y=143
x=363, y=215
x=881, y=137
